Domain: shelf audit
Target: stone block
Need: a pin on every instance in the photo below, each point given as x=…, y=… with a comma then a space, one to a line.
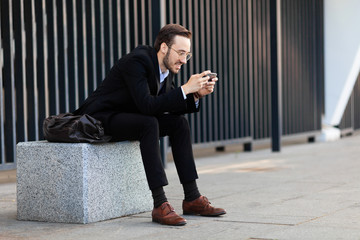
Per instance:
x=80, y=182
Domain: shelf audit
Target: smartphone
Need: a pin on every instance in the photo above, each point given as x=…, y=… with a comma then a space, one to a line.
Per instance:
x=211, y=75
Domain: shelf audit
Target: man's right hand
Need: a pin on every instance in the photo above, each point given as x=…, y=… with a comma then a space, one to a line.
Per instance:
x=196, y=82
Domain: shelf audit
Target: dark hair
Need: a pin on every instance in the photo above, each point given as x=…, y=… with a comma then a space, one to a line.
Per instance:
x=167, y=34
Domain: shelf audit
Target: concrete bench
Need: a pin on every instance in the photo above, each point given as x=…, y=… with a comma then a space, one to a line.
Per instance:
x=80, y=182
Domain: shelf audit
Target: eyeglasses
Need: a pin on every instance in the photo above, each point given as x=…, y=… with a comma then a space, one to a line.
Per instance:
x=182, y=54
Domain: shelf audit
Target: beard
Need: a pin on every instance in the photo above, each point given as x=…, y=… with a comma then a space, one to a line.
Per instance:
x=166, y=62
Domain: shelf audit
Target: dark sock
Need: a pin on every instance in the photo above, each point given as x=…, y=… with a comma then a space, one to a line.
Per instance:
x=191, y=191
x=159, y=197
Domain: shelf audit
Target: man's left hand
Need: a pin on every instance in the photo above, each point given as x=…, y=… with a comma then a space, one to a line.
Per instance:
x=207, y=88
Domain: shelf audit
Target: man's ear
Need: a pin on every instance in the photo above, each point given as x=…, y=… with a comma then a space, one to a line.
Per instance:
x=164, y=48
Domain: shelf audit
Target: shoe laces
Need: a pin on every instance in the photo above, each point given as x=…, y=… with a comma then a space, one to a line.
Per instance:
x=169, y=206
x=206, y=200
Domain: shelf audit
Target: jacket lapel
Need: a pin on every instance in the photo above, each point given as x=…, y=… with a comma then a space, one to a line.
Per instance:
x=156, y=69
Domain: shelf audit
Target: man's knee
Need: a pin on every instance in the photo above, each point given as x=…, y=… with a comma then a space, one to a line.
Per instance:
x=182, y=123
x=151, y=123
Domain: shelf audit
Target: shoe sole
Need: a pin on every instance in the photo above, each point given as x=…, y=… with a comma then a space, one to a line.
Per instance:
x=207, y=215
x=178, y=224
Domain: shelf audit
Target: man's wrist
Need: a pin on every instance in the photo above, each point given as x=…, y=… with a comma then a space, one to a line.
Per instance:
x=184, y=89
x=197, y=95
x=183, y=92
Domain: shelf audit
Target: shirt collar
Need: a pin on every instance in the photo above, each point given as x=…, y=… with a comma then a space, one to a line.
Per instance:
x=163, y=75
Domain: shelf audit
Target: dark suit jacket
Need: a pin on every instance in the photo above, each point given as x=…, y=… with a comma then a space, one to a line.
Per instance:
x=132, y=85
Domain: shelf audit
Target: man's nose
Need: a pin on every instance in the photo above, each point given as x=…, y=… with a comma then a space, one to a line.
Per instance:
x=183, y=60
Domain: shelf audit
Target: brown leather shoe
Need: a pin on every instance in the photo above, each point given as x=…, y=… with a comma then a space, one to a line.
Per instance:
x=166, y=215
x=201, y=206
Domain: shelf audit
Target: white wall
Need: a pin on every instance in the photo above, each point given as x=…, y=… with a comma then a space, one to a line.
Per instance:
x=342, y=55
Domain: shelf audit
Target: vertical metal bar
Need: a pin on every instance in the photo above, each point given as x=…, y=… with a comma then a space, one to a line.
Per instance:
x=201, y=34
x=259, y=80
x=191, y=67
x=163, y=13
x=102, y=39
x=230, y=70
x=23, y=67
x=184, y=13
x=56, y=64
x=197, y=63
x=56, y=55
x=13, y=89
x=136, y=24
x=220, y=112
x=151, y=23
x=306, y=73
x=248, y=126
x=225, y=116
x=111, y=37
x=177, y=13
x=127, y=25
x=275, y=83
x=285, y=59
x=66, y=57
x=318, y=16
x=287, y=70
x=76, y=60
x=320, y=53
x=39, y=65
x=209, y=65
x=2, y=107
x=85, y=58
x=255, y=69
x=292, y=66
x=191, y=28
x=36, y=92
x=262, y=63
x=185, y=71
x=296, y=67
x=119, y=27
x=313, y=17
x=279, y=70
x=241, y=21
x=251, y=68
x=155, y=20
x=93, y=33
x=267, y=72
x=18, y=70
x=164, y=143
x=46, y=60
x=143, y=22
x=236, y=67
x=171, y=11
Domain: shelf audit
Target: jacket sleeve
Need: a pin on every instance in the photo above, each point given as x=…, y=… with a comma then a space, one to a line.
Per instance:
x=137, y=72
x=190, y=103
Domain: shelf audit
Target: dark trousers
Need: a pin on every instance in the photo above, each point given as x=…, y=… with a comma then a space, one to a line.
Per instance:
x=148, y=129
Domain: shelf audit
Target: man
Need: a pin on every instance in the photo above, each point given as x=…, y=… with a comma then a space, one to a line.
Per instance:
x=138, y=101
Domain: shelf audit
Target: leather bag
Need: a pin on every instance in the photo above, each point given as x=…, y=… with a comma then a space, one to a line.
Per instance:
x=70, y=128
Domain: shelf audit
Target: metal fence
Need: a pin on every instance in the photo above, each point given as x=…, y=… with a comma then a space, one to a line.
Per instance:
x=232, y=38
x=350, y=121
x=303, y=65
x=219, y=43
x=53, y=53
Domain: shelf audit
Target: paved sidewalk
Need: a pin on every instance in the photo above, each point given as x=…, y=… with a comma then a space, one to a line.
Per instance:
x=308, y=191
